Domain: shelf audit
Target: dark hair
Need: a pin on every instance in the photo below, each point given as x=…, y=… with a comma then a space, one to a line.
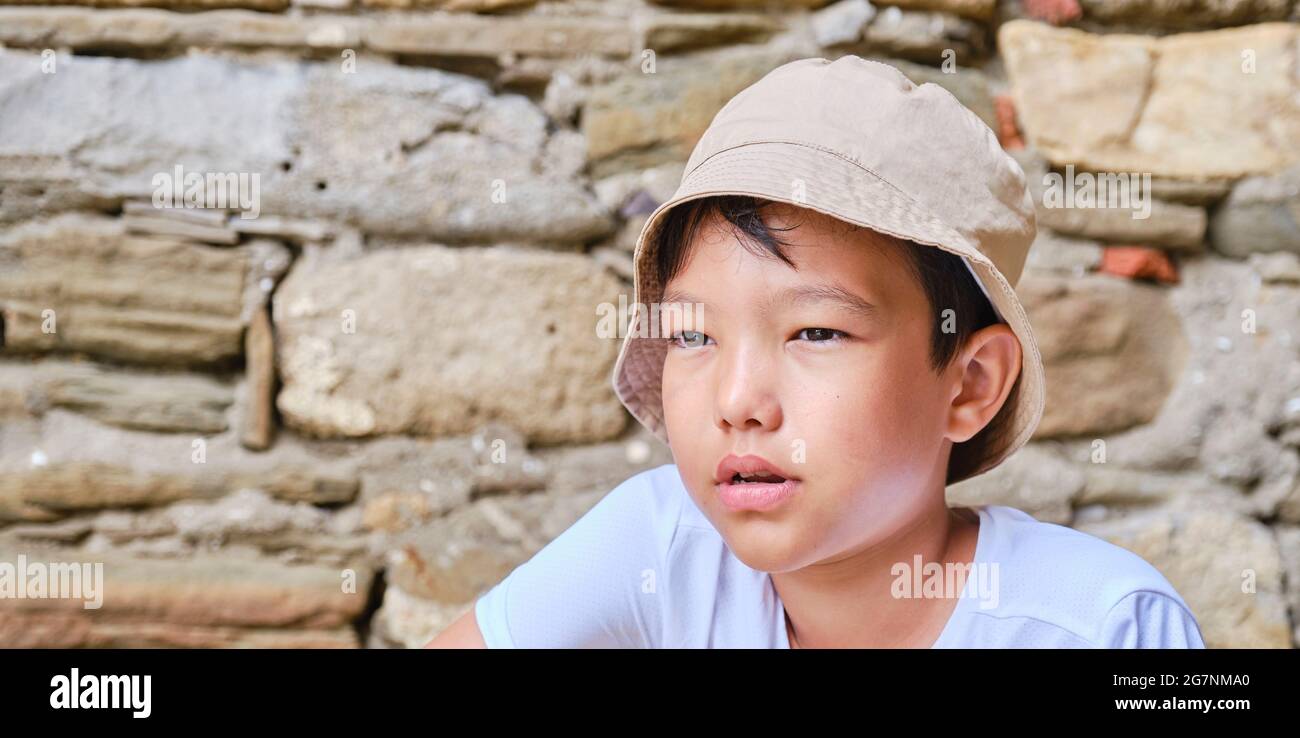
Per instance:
x=947, y=282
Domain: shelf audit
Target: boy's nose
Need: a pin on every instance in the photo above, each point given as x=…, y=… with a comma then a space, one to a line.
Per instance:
x=745, y=396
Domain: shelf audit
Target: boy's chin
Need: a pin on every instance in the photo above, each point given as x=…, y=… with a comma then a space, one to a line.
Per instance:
x=765, y=550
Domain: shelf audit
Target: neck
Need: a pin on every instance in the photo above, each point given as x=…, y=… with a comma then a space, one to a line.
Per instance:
x=849, y=601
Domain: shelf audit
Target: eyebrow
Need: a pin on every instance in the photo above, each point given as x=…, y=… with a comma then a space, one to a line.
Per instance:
x=796, y=296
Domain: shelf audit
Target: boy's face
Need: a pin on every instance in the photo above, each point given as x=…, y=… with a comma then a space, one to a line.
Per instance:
x=824, y=371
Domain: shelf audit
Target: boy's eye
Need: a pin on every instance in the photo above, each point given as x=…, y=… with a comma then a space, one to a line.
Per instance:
x=690, y=339
x=819, y=335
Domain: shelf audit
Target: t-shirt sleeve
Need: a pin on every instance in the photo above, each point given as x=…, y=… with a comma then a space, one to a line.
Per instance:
x=594, y=585
x=1146, y=619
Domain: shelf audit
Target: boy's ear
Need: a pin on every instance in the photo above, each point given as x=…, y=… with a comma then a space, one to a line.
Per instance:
x=983, y=374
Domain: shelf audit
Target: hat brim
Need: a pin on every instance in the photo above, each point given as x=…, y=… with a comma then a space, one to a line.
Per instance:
x=823, y=181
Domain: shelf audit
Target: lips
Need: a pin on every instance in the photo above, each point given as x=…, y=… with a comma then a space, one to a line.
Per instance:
x=734, y=468
x=752, y=483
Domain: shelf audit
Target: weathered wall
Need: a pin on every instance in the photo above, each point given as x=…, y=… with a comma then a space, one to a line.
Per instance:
x=336, y=423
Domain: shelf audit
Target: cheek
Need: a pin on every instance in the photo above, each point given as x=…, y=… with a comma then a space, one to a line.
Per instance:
x=680, y=398
x=883, y=411
x=688, y=413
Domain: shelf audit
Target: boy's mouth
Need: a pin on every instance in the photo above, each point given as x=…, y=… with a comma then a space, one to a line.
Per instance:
x=752, y=483
x=757, y=478
x=749, y=469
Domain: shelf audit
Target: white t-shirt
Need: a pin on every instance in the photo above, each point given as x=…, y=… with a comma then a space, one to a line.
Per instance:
x=644, y=568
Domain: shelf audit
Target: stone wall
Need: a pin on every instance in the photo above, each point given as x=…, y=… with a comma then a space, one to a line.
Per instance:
x=336, y=423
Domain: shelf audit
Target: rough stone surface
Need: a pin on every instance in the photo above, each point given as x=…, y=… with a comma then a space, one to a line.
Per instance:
x=1184, y=13
x=978, y=9
x=206, y=601
x=1172, y=106
x=425, y=34
x=1219, y=421
x=541, y=368
x=81, y=284
x=1053, y=252
x=1035, y=479
x=1111, y=349
x=932, y=37
x=842, y=22
x=471, y=36
x=455, y=558
x=67, y=463
x=671, y=32
x=458, y=164
x=1260, y=214
x=1126, y=215
x=408, y=482
x=739, y=4
x=407, y=621
x=264, y=5
x=151, y=402
x=245, y=522
x=475, y=6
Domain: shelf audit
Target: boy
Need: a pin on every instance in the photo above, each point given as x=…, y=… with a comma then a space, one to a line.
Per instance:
x=837, y=340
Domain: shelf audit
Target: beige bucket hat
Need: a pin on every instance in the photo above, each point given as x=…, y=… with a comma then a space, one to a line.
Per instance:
x=857, y=140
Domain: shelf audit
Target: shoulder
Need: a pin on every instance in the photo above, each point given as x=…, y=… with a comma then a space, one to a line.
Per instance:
x=638, y=517
x=1094, y=590
x=1049, y=552
x=651, y=501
